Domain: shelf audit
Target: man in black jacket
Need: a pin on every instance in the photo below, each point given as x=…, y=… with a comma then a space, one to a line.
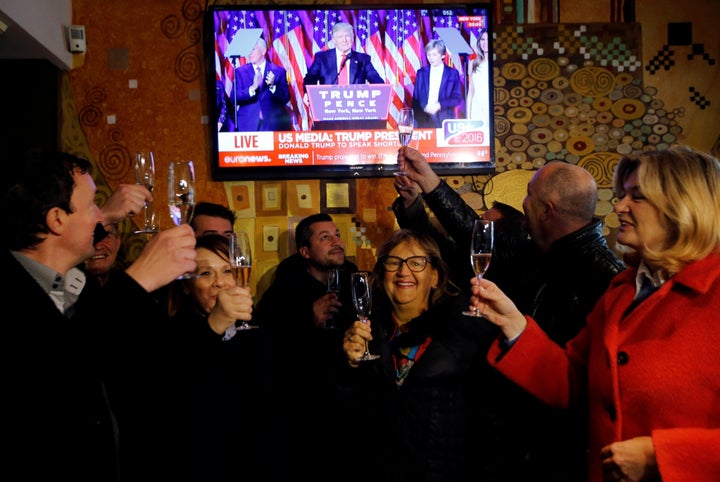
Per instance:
x=556, y=276
x=306, y=355
x=68, y=336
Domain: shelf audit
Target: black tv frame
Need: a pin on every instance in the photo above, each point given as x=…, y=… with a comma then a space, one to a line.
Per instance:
x=256, y=155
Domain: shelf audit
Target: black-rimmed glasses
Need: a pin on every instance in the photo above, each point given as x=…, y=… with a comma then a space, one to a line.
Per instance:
x=414, y=263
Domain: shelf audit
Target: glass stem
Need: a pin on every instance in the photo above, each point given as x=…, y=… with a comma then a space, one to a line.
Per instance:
x=147, y=214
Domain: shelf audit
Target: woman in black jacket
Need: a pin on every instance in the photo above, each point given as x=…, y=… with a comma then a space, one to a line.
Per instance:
x=221, y=387
x=415, y=401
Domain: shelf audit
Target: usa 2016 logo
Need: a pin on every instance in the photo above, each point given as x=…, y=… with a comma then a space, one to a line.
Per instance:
x=463, y=132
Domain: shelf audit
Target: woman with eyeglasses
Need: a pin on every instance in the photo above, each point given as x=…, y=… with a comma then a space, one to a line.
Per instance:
x=411, y=403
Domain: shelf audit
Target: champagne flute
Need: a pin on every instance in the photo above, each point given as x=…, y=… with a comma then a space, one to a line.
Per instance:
x=333, y=286
x=406, y=124
x=363, y=305
x=181, y=195
x=145, y=175
x=241, y=264
x=481, y=247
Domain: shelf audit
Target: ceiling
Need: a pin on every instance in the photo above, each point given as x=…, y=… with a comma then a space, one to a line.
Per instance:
x=17, y=43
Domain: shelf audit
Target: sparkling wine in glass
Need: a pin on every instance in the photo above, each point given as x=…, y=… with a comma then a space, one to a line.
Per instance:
x=241, y=264
x=181, y=195
x=360, y=282
x=145, y=175
x=481, y=248
x=406, y=124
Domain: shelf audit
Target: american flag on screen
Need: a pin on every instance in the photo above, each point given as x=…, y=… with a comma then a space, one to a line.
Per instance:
x=408, y=54
x=321, y=30
x=368, y=36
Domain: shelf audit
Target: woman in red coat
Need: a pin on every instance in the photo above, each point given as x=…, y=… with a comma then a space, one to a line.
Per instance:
x=649, y=367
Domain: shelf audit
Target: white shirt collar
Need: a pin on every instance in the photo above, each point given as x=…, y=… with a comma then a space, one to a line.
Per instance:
x=657, y=279
x=62, y=290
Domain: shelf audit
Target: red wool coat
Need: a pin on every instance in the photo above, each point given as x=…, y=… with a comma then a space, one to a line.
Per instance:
x=655, y=372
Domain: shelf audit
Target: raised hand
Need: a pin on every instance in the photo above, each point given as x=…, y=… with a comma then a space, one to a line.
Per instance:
x=418, y=169
x=408, y=189
x=126, y=200
x=166, y=256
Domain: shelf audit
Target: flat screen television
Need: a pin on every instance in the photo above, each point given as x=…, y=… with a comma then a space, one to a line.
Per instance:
x=326, y=129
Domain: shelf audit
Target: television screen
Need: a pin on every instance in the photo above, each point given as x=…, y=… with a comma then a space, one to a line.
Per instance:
x=301, y=93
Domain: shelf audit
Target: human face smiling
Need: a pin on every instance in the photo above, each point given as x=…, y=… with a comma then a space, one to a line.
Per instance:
x=106, y=252
x=410, y=290
x=343, y=40
x=483, y=42
x=214, y=274
x=642, y=225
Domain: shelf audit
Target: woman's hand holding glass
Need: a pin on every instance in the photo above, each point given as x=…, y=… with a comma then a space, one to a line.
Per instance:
x=355, y=341
x=494, y=305
x=234, y=303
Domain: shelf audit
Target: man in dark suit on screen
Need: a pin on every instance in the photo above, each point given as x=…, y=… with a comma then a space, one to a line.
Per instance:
x=342, y=66
x=261, y=94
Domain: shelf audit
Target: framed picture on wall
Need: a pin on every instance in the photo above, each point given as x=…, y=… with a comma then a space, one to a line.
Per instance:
x=337, y=196
x=270, y=198
x=303, y=197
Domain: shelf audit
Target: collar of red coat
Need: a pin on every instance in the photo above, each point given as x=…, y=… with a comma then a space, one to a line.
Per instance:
x=697, y=276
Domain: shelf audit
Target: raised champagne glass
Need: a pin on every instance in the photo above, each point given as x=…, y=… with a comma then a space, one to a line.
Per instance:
x=241, y=264
x=406, y=124
x=360, y=282
x=181, y=195
x=145, y=175
x=481, y=248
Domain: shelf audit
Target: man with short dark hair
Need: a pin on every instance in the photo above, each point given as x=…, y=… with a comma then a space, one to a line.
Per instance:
x=212, y=218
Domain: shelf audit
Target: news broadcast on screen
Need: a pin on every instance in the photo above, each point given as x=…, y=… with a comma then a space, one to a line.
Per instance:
x=298, y=93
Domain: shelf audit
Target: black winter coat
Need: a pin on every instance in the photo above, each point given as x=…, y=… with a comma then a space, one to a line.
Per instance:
x=422, y=430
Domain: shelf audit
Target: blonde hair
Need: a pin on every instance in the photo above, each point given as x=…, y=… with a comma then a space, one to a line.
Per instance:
x=480, y=58
x=684, y=184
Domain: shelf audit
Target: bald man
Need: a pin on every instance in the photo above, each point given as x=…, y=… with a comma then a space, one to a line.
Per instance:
x=556, y=275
